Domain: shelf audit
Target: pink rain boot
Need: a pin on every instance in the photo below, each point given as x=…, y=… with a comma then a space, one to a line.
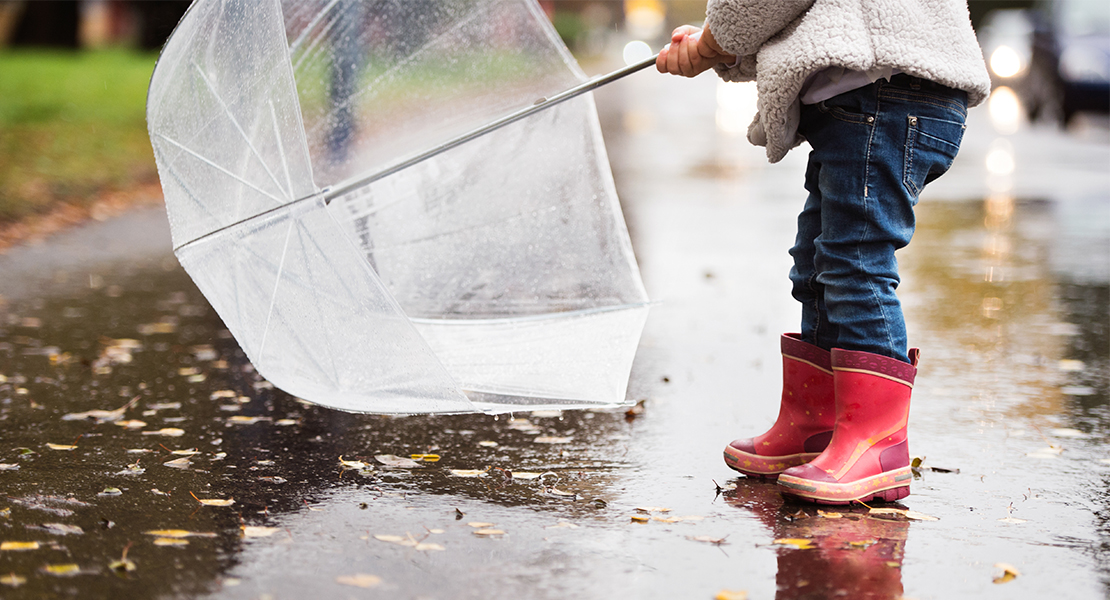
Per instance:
x=806, y=415
x=868, y=457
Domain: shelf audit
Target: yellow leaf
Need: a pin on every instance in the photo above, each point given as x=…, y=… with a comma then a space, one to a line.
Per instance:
x=544, y=439
x=13, y=580
x=361, y=580
x=122, y=565
x=862, y=543
x=488, y=532
x=65, y=570
x=649, y=509
x=830, y=515
x=60, y=446
x=425, y=546
x=731, y=595
x=167, y=431
x=390, y=538
x=640, y=518
x=425, y=457
x=19, y=545
x=799, y=543
x=170, y=542
x=178, y=533
x=216, y=501
x=352, y=464
x=132, y=424
x=1009, y=573
x=252, y=531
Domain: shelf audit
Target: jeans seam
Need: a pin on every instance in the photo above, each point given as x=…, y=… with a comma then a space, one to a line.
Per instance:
x=867, y=227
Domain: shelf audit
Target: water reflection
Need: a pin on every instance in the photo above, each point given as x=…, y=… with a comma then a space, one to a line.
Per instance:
x=149, y=336
x=850, y=554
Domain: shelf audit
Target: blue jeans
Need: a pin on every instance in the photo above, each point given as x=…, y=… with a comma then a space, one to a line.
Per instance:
x=874, y=149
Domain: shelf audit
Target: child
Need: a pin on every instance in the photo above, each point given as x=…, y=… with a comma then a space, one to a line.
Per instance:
x=880, y=90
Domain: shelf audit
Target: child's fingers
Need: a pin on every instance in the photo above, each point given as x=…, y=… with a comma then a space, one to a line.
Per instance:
x=661, y=59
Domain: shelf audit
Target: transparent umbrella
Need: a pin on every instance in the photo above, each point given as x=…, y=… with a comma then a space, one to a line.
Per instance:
x=399, y=206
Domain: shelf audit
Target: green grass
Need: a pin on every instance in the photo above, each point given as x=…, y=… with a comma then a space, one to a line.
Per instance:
x=71, y=125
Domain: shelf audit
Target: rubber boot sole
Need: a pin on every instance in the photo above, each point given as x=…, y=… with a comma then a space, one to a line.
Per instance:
x=764, y=467
x=887, y=486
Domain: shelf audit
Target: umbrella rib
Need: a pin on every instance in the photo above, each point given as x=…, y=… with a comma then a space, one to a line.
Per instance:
x=239, y=128
x=277, y=282
x=281, y=148
x=312, y=25
x=188, y=192
x=205, y=160
x=316, y=295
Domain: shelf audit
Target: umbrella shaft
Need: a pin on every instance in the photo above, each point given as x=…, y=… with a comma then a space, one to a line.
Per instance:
x=346, y=187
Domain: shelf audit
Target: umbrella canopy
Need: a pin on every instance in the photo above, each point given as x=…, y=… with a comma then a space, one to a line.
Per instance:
x=356, y=269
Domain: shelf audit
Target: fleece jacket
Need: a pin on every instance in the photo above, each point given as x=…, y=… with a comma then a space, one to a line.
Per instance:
x=780, y=43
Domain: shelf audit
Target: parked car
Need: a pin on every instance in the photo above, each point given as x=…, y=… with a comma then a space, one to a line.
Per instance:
x=1069, y=66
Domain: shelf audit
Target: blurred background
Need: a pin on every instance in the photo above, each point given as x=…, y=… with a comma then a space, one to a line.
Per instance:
x=73, y=78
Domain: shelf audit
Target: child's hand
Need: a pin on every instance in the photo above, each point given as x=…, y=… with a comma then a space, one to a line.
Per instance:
x=691, y=52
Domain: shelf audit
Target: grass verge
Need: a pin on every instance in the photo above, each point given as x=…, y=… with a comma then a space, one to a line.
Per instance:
x=72, y=128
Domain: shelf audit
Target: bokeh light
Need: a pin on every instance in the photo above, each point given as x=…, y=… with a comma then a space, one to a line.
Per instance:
x=1005, y=62
x=1005, y=110
x=736, y=106
x=635, y=51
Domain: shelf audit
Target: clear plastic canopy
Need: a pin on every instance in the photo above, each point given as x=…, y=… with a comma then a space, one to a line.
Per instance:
x=497, y=275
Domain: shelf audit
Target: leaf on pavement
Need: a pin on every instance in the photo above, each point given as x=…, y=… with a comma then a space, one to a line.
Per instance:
x=1009, y=573
x=799, y=543
x=361, y=580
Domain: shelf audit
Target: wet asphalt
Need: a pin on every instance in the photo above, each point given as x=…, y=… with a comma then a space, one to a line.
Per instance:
x=1007, y=292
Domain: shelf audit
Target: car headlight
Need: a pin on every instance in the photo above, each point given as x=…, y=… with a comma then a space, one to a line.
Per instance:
x=1084, y=63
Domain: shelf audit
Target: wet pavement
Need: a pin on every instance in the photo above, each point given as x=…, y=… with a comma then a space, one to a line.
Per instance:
x=1006, y=287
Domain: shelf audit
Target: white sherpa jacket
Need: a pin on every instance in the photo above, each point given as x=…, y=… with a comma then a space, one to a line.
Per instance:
x=782, y=42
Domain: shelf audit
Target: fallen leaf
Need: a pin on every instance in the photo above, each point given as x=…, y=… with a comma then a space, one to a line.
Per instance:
x=131, y=424
x=1009, y=573
x=19, y=545
x=552, y=440
x=394, y=539
x=651, y=509
x=526, y=475
x=862, y=543
x=479, y=524
x=801, y=544
x=488, y=532
x=111, y=491
x=562, y=525
x=9, y=467
x=286, y=422
x=425, y=457
x=909, y=514
x=391, y=460
x=216, y=501
x=1067, y=432
x=122, y=565
x=731, y=595
x=361, y=580
x=13, y=580
x=256, y=531
x=60, y=446
x=178, y=533
x=101, y=416
x=707, y=539
x=170, y=542
x=178, y=463
x=1050, y=452
x=1012, y=520
x=353, y=464
x=830, y=514
x=245, y=420
x=467, y=472
x=640, y=518
x=58, y=528
x=217, y=395
x=64, y=570
x=487, y=444
x=189, y=452
x=427, y=546
x=167, y=432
